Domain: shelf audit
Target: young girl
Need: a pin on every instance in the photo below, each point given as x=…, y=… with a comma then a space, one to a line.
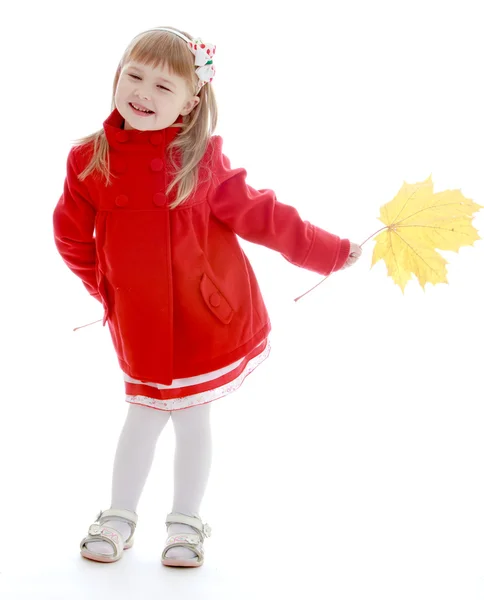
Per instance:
x=183, y=306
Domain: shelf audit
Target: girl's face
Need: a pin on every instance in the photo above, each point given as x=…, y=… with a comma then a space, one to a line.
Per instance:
x=160, y=91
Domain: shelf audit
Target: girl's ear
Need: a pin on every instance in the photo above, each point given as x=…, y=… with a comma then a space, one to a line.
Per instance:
x=190, y=105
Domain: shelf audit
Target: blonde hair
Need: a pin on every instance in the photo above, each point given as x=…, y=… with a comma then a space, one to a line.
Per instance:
x=164, y=49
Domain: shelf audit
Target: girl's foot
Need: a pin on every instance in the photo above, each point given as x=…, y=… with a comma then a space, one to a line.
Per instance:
x=180, y=552
x=109, y=535
x=105, y=548
x=184, y=544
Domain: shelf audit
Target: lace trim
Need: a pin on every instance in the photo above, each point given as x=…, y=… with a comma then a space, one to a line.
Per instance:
x=202, y=397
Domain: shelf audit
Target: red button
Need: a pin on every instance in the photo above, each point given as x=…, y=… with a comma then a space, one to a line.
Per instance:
x=215, y=300
x=156, y=138
x=121, y=200
x=159, y=199
x=122, y=136
x=156, y=164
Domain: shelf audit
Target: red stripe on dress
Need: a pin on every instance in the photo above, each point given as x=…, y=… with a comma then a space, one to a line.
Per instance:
x=138, y=389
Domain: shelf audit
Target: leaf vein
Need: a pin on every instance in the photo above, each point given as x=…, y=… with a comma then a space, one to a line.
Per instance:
x=418, y=255
x=424, y=209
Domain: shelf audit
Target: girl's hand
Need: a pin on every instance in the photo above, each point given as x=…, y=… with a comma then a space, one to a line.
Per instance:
x=354, y=255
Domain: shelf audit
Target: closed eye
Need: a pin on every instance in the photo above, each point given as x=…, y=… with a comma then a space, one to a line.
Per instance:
x=160, y=86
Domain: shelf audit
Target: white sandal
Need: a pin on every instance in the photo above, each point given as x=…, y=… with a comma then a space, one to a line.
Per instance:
x=100, y=533
x=192, y=541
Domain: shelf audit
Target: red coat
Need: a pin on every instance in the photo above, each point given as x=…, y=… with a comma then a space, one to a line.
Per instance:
x=179, y=294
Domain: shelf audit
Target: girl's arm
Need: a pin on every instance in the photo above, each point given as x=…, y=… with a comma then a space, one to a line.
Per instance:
x=257, y=216
x=73, y=220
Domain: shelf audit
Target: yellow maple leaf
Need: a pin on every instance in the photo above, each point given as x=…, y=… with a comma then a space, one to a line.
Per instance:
x=418, y=222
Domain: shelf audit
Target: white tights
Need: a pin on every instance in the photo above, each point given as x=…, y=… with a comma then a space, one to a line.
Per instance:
x=135, y=454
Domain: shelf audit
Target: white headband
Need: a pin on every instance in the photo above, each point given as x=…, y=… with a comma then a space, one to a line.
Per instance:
x=180, y=35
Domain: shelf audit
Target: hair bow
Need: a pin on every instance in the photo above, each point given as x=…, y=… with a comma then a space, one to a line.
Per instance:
x=203, y=60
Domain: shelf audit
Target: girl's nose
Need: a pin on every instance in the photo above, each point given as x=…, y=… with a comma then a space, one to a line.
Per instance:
x=142, y=94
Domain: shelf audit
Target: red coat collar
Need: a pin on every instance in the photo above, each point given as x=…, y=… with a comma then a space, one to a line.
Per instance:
x=122, y=139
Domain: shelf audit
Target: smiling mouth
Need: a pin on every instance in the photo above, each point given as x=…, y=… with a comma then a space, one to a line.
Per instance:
x=141, y=112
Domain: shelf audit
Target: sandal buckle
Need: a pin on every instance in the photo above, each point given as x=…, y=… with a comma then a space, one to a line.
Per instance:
x=95, y=529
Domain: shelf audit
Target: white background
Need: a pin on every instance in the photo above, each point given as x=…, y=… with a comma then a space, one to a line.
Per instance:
x=349, y=465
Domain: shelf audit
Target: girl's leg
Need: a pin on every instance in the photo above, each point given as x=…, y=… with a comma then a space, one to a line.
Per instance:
x=132, y=464
x=193, y=459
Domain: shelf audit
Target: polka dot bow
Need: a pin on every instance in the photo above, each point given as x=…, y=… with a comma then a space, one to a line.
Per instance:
x=203, y=60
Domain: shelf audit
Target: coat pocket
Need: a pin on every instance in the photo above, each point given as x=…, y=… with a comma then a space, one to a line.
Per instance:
x=215, y=300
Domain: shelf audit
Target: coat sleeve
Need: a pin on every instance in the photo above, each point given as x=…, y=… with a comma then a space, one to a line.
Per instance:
x=73, y=221
x=257, y=216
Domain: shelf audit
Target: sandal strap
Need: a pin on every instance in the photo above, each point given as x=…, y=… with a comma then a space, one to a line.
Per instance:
x=203, y=528
x=101, y=533
x=185, y=540
x=119, y=514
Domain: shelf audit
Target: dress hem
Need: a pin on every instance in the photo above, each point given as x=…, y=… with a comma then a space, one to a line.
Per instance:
x=204, y=397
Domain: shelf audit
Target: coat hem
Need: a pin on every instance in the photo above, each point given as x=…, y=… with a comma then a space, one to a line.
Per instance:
x=205, y=366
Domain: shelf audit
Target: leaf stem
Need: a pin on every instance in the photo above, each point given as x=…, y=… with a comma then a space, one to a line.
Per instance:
x=314, y=287
x=373, y=234
x=87, y=325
